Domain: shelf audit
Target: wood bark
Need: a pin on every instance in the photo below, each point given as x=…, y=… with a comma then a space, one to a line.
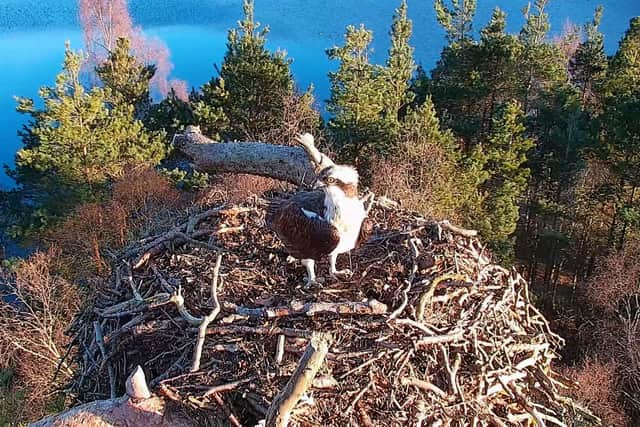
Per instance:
x=291, y=164
x=279, y=412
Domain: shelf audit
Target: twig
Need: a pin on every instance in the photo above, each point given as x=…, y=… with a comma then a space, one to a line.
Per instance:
x=103, y=351
x=214, y=282
x=227, y=386
x=260, y=330
x=202, y=329
x=359, y=396
x=415, y=252
x=230, y=415
x=424, y=385
x=440, y=339
x=280, y=349
x=178, y=300
x=362, y=365
x=457, y=230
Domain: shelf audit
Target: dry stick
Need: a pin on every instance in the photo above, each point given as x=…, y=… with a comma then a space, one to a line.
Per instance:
x=441, y=339
x=214, y=282
x=166, y=285
x=232, y=418
x=202, y=329
x=175, y=236
x=227, y=386
x=258, y=330
x=280, y=349
x=457, y=230
x=426, y=298
x=415, y=252
x=453, y=384
x=310, y=309
x=103, y=351
x=519, y=397
x=134, y=290
x=319, y=159
x=362, y=365
x=424, y=385
x=196, y=219
x=359, y=396
x=280, y=409
x=178, y=300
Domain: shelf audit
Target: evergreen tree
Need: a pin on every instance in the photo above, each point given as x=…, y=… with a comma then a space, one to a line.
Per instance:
x=457, y=21
x=502, y=159
x=623, y=78
x=171, y=115
x=368, y=100
x=126, y=79
x=252, y=84
x=74, y=146
x=209, y=108
x=542, y=64
x=588, y=69
x=400, y=64
x=358, y=100
x=620, y=131
x=470, y=80
x=434, y=163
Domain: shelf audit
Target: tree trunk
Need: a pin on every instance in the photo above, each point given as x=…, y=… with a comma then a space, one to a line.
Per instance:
x=291, y=164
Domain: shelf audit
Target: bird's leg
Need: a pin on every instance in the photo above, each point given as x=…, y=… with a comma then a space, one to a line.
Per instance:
x=311, y=272
x=338, y=274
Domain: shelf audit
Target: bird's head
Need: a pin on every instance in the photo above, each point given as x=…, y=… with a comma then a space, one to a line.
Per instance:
x=339, y=177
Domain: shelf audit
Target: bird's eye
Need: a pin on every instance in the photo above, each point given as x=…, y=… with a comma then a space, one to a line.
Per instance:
x=331, y=180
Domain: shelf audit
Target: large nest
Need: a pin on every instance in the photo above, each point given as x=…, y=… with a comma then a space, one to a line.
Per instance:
x=428, y=330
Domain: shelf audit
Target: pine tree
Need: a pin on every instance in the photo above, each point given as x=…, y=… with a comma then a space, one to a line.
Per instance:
x=400, y=65
x=623, y=78
x=358, y=99
x=252, y=84
x=620, y=131
x=457, y=21
x=74, y=146
x=542, y=64
x=471, y=79
x=171, y=115
x=368, y=100
x=126, y=79
x=589, y=66
x=503, y=158
x=434, y=162
x=209, y=108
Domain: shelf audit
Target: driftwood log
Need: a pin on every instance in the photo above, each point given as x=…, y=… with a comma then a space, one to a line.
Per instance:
x=136, y=408
x=297, y=165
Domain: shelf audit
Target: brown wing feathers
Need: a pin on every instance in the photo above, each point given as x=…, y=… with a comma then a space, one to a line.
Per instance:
x=303, y=237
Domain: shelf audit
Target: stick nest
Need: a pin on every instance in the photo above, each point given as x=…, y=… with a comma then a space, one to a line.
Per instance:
x=427, y=331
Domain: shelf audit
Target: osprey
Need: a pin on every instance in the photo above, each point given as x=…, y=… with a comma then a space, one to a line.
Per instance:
x=320, y=223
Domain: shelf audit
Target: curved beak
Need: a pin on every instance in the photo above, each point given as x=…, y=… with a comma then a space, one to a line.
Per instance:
x=318, y=184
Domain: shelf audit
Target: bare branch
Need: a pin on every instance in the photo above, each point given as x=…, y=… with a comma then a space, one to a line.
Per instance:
x=280, y=410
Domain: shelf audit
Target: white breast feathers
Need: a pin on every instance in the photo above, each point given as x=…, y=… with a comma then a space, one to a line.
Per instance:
x=346, y=215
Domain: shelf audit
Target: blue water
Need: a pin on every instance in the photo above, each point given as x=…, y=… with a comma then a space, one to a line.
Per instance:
x=33, y=32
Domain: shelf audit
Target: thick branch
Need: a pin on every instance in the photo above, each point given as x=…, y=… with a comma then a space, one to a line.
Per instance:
x=320, y=160
x=280, y=410
x=281, y=162
x=310, y=309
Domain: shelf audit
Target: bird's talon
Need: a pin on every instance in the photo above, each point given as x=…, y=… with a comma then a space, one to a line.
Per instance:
x=308, y=284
